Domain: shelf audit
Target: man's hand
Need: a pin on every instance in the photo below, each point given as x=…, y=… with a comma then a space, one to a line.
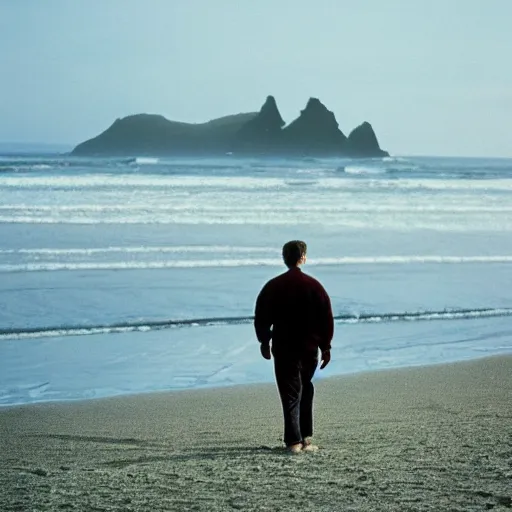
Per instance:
x=265, y=351
x=326, y=357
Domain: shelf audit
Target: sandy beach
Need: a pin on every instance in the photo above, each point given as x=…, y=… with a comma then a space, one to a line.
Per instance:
x=430, y=438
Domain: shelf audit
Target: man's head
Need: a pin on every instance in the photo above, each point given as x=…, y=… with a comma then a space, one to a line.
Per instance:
x=294, y=253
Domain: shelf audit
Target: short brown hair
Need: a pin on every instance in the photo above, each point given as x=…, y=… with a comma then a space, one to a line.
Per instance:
x=293, y=251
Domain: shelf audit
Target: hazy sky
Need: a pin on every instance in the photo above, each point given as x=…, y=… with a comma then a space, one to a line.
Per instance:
x=432, y=76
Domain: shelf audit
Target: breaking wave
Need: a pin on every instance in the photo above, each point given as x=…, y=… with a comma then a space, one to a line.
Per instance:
x=122, y=327
x=89, y=251
x=144, y=160
x=329, y=207
x=50, y=266
x=358, y=169
x=123, y=180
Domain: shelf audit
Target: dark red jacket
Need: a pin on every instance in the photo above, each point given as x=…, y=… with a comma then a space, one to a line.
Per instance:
x=294, y=311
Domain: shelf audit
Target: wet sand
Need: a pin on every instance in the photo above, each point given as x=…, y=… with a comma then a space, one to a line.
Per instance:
x=433, y=438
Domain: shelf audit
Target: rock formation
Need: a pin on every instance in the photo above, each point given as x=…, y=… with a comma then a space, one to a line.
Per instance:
x=148, y=134
x=314, y=133
x=261, y=134
x=362, y=142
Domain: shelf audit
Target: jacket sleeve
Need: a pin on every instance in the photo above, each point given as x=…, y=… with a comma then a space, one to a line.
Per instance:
x=326, y=320
x=263, y=316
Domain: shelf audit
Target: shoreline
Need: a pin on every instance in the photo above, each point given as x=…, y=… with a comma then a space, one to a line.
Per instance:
x=319, y=378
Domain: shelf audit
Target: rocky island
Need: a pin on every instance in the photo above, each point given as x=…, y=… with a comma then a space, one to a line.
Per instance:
x=314, y=133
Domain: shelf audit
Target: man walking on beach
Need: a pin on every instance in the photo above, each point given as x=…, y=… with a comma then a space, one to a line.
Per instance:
x=294, y=311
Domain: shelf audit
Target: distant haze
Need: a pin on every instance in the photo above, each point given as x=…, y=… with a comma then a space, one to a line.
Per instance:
x=433, y=78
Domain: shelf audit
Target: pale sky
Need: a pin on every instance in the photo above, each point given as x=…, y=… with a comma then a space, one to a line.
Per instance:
x=434, y=77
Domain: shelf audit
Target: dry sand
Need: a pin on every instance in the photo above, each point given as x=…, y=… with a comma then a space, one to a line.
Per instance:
x=437, y=438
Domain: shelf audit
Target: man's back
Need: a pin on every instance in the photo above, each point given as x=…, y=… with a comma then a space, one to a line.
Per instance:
x=294, y=311
x=298, y=309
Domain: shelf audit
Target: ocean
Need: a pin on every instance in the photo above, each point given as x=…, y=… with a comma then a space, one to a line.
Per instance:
x=121, y=276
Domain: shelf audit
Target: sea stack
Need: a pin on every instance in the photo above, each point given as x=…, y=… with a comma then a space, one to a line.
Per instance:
x=262, y=133
x=314, y=132
x=362, y=142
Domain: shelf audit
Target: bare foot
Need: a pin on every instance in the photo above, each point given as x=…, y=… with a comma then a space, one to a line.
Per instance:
x=308, y=445
x=294, y=448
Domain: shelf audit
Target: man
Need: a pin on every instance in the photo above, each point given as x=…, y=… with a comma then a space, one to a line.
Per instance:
x=294, y=311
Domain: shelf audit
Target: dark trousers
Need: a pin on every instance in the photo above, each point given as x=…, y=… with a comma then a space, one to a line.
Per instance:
x=293, y=377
